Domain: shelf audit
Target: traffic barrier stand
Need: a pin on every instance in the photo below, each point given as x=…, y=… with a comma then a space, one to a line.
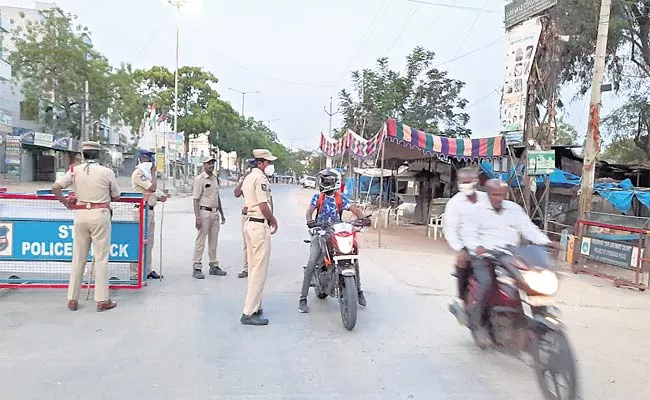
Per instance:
x=612, y=247
x=36, y=236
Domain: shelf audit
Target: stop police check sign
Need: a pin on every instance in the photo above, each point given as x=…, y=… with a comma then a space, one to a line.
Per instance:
x=39, y=240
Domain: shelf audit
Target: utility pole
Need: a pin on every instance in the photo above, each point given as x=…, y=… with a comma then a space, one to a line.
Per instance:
x=592, y=140
x=329, y=134
x=85, y=128
x=177, y=4
x=243, y=97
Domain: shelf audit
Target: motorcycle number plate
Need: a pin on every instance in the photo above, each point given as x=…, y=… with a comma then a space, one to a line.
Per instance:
x=540, y=301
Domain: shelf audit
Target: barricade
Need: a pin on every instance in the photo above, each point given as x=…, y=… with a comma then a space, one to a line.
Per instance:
x=36, y=236
x=612, y=247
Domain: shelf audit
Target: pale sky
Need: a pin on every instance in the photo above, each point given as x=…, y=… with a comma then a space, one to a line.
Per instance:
x=298, y=53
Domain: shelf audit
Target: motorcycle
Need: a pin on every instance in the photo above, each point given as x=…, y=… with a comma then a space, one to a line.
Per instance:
x=523, y=318
x=336, y=276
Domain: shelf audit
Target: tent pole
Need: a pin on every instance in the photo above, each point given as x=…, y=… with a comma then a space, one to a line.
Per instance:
x=381, y=191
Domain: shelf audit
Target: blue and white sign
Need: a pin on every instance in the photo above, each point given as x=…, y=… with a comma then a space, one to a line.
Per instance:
x=39, y=240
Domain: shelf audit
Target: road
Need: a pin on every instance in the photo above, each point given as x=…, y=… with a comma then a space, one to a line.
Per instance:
x=180, y=338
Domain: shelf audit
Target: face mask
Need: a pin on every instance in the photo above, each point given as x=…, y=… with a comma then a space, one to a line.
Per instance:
x=145, y=167
x=467, y=188
x=269, y=170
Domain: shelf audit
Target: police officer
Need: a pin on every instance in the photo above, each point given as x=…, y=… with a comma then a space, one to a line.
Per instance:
x=144, y=180
x=238, y=193
x=94, y=187
x=259, y=226
x=207, y=208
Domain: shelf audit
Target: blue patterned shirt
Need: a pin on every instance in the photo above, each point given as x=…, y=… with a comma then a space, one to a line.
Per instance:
x=329, y=212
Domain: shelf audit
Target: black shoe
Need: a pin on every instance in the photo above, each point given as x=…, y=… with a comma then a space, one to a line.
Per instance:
x=258, y=312
x=198, y=274
x=215, y=270
x=362, y=299
x=243, y=274
x=302, y=305
x=255, y=320
x=153, y=275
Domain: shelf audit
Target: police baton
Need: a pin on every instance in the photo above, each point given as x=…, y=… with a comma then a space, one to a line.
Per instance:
x=162, y=219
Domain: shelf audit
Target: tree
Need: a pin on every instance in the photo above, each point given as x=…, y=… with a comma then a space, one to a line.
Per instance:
x=52, y=61
x=623, y=151
x=628, y=59
x=566, y=133
x=423, y=97
x=195, y=95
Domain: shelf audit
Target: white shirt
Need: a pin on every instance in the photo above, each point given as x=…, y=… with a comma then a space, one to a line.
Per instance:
x=457, y=208
x=492, y=229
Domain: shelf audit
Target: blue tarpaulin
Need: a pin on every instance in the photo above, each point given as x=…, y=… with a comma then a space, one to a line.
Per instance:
x=620, y=194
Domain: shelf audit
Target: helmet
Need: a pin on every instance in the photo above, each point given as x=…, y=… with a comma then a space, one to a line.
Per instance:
x=329, y=180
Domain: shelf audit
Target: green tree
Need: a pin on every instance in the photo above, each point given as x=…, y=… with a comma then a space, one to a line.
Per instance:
x=623, y=150
x=195, y=97
x=52, y=60
x=628, y=59
x=422, y=97
x=566, y=133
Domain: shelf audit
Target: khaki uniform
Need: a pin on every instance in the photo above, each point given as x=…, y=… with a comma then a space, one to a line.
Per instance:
x=91, y=183
x=142, y=184
x=206, y=190
x=257, y=236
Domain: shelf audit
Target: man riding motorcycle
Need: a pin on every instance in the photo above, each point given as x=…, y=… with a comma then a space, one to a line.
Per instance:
x=456, y=212
x=329, y=205
x=495, y=224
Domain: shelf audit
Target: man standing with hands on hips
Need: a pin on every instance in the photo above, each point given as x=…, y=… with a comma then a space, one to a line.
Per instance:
x=207, y=209
x=94, y=187
x=259, y=226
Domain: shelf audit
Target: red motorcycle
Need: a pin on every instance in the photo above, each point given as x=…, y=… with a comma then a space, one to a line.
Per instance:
x=523, y=318
x=336, y=276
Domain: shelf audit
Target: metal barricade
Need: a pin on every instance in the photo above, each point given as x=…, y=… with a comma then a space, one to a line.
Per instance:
x=612, y=247
x=36, y=236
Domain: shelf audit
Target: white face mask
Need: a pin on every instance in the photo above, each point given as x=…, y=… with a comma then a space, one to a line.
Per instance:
x=145, y=167
x=467, y=188
x=269, y=170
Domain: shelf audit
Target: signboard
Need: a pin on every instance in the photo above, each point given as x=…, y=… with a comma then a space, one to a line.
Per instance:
x=42, y=240
x=618, y=254
x=43, y=139
x=160, y=162
x=521, y=47
x=520, y=10
x=12, y=150
x=541, y=162
x=515, y=138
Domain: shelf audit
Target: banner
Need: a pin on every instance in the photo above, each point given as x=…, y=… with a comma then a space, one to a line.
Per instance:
x=520, y=54
x=520, y=10
x=43, y=240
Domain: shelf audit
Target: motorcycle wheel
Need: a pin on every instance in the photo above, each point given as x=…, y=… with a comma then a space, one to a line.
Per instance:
x=349, y=298
x=555, y=366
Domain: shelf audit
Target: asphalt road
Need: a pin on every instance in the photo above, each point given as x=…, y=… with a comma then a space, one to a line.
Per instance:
x=180, y=338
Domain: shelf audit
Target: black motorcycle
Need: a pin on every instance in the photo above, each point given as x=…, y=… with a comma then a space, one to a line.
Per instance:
x=524, y=319
x=336, y=275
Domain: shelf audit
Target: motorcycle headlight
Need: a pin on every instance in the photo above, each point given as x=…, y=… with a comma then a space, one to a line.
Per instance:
x=345, y=244
x=544, y=282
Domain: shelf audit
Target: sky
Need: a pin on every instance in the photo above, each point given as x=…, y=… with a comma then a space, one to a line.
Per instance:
x=299, y=53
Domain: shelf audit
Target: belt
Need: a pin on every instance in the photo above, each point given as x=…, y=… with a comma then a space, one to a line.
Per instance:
x=88, y=206
x=207, y=208
x=138, y=206
x=260, y=220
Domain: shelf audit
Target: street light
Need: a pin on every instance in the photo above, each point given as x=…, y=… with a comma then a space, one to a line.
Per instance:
x=243, y=97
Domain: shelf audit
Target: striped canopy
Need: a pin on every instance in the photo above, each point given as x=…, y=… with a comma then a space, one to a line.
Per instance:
x=415, y=144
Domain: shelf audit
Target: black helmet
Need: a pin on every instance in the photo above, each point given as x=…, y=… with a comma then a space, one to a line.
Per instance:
x=329, y=180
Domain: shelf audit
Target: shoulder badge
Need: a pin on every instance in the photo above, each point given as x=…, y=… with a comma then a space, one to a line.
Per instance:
x=264, y=187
